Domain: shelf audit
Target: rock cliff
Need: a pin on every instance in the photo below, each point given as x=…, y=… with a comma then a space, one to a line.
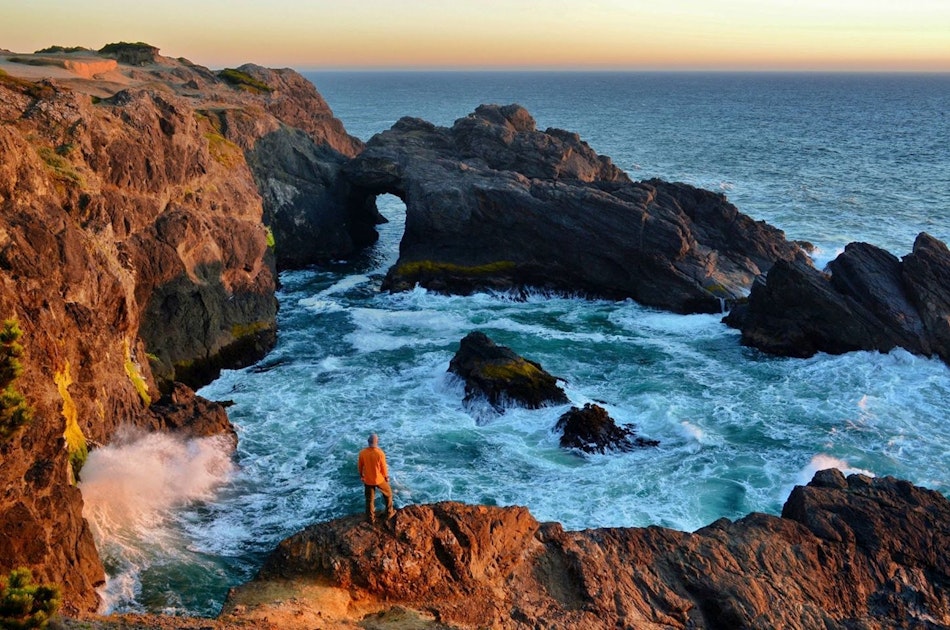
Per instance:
x=846, y=553
x=492, y=202
x=867, y=300
x=134, y=254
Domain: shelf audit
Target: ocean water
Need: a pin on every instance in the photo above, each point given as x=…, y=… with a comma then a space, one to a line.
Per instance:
x=828, y=158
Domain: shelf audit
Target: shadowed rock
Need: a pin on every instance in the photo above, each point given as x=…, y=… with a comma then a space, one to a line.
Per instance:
x=493, y=202
x=500, y=375
x=846, y=553
x=592, y=430
x=868, y=300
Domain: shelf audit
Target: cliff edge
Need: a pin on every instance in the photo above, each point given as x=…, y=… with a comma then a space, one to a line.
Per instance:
x=846, y=553
x=139, y=242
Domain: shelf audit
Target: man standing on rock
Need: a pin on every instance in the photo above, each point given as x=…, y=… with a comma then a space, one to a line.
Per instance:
x=375, y=474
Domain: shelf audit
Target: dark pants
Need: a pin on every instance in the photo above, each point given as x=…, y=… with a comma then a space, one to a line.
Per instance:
x=370, y=492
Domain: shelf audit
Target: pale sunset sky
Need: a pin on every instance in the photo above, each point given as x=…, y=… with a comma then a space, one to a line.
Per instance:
x=902, y=35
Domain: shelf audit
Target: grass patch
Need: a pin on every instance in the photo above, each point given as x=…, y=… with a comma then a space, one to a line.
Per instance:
x=75, y=440
x=222, y=150
x=244, y=81
x=59, y=165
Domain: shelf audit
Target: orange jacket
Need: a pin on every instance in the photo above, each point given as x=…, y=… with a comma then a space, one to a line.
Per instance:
x=372, y=466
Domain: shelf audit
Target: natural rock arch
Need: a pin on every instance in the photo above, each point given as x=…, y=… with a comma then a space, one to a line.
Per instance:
x=494, y=203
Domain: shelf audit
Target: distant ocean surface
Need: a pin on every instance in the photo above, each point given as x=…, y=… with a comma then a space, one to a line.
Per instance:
x=827, y=158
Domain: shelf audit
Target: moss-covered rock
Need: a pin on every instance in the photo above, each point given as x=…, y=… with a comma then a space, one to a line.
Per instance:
x=501, y=376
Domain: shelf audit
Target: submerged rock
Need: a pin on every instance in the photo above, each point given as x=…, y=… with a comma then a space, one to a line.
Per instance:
x=868, y=300
x=846, y=553
x=492, y=202
x=500, y=375
x=592, y=430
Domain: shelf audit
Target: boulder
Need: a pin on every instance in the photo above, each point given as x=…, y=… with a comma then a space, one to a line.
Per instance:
x=867, y=300
x=846, y=553
x=494, y=203
x=183, y=412
x=592, y=430
x=500, y=375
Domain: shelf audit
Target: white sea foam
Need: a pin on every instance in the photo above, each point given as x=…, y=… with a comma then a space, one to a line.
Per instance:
x=692, y=432
x=319, y=304
x=824, y=461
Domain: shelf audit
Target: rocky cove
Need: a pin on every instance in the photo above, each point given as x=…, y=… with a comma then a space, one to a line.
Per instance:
x=188, y=290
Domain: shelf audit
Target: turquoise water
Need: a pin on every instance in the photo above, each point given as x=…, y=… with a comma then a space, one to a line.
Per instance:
x=829, y=159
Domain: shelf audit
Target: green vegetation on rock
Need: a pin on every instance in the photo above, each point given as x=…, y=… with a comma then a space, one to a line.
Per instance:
x=244, y=81
x=61, y=50
x=222, y=150
x=24, y=604
x=135, y=376
x=124, y=47
x=421, y=267
x=75, y=440
x=14, y=411
x=61, y=167
x=520, y=369
x=239, y=331
x=35, y=90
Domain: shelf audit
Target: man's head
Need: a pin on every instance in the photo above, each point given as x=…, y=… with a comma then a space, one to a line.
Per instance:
x=373, y=439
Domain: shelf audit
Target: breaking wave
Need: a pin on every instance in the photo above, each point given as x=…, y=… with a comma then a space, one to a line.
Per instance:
x=131, y=490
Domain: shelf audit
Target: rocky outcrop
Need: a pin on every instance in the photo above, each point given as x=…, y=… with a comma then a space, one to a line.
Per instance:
x=134, y=255
x=296, y=155
x=501, y=376
x=592, y=430
x=867, y=300
x=494, y=203
x=846, y=553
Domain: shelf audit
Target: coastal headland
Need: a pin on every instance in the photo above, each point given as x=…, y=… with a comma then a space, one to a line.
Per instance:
x=148, y=205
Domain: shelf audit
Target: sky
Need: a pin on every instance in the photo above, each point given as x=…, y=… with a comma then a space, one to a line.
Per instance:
x=862, y=35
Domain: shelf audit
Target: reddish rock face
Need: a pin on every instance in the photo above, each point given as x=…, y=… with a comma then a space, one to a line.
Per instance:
x=133, y=254
x=847, y=553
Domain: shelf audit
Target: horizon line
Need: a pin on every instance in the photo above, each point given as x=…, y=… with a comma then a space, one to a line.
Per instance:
x=620, y=70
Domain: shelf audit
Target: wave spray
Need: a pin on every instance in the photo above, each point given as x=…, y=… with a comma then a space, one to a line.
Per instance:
x=132, y=491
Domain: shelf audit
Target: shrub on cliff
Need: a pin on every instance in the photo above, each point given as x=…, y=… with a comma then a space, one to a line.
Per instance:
x=61, y=50
x=14, y=411
x=24, y=604
x=134, y=54
x=244, y=81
